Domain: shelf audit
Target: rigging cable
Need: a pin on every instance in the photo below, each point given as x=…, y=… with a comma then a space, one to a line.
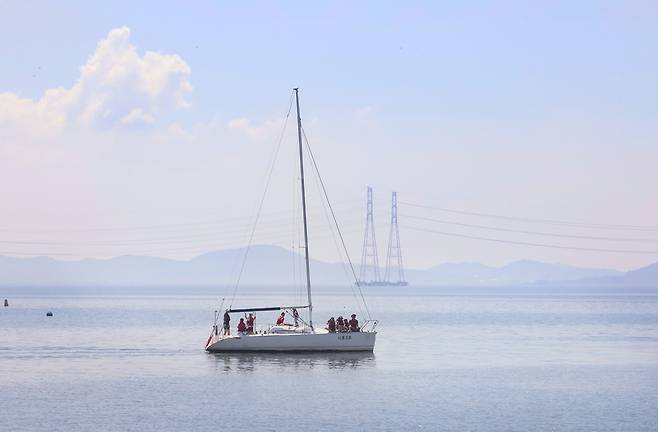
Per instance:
x=336, y=244
x=293, y=248
x=262, y=201
x=333, y=215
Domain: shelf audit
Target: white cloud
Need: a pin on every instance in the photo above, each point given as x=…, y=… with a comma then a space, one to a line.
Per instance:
x=117, y=87
x=137, y=117
x=238, y=123
x=36, y=118
x=261, y=132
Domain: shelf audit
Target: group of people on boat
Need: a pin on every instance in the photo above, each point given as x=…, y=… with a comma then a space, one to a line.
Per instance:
x=281, y=320
x=246, y=324
x=343, y=324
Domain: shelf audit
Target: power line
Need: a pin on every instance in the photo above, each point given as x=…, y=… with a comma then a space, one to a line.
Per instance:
x=541, y=221
x=282, y=240
x=213, y=221
x=552, y=246
x=540, y=233
x=182, y=238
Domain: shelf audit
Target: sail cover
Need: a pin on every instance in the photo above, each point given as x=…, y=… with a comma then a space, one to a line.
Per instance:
x=262, y=309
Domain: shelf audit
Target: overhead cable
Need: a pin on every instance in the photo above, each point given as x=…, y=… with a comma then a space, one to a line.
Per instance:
x=522, y=243
x=541, y=221
x=539, y=233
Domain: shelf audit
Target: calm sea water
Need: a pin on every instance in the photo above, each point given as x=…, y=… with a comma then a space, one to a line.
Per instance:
x=446, y=359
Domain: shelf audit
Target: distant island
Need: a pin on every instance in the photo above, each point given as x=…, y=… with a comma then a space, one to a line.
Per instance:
x=271, y=265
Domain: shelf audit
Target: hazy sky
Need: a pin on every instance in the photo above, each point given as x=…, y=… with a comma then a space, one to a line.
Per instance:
x=147, y=128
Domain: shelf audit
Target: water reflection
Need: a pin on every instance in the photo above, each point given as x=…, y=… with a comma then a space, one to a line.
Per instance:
x=249, y=362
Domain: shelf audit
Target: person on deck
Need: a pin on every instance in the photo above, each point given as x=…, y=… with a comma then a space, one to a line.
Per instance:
x=341, y=325
x=227, y=324
x=242, y=327
x=331, y=325
x=281, y=319
x=354, y=324
x=295, y=315
x=250, y=323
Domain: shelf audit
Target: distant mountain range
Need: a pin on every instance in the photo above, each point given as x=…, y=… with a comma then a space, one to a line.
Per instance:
x=272, y=265
x=642, y=277
x=517, y=272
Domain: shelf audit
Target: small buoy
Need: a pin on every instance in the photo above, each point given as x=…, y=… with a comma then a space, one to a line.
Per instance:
x=49, y=314
x=6, y=303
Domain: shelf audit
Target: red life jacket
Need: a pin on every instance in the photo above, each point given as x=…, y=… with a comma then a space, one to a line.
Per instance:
x=280, y=320
x=242, y=326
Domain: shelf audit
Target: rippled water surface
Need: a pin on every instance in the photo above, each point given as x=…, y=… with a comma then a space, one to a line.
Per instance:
x=446, y=359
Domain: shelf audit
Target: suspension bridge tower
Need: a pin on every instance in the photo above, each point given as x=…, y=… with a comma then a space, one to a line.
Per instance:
x=394, y=274
x=369, y=272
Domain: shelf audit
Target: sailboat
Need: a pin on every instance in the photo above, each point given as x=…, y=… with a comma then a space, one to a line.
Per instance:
x=293, y=338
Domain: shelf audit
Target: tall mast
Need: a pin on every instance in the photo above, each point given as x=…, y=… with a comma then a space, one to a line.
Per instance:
x=301, y=170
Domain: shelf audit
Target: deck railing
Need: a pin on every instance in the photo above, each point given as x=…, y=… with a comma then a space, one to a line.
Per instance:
x=366, y=326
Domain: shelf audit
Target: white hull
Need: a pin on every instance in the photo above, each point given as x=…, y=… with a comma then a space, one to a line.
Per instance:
x=294, y=342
